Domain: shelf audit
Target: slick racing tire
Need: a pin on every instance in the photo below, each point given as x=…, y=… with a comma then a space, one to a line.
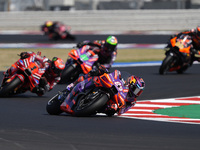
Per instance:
x=53, y=106
x=9, y=87
x=166, y=64
x=69, y=74
x=90, y=104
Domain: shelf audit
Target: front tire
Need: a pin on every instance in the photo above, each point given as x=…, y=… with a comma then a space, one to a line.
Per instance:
x=166, y=64
x=9, y=87
x=90, y=104
x=69, y=74
x=53, y=106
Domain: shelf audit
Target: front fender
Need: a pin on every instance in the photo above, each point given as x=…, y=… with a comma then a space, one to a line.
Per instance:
x=20, y=76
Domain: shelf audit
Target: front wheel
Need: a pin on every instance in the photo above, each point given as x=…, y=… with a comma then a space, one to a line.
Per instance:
x=9, y=87
x=70, y=73
x=90, y=104
x=53, y=106
x=166, y=64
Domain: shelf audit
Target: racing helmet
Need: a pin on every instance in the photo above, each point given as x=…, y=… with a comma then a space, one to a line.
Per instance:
x=57, y=65
x=110, y=45
x=136, y=86
x=48, y=23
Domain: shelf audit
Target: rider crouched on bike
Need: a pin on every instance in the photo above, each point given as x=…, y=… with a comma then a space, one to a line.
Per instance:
x=134, y=84
x=51, y=76
x=52, y=71
x=53, y=26
x=195, y=37
x=105, y=49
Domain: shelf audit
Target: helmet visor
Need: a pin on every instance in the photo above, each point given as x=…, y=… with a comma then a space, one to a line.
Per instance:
x=109, y=48
x=135, y=90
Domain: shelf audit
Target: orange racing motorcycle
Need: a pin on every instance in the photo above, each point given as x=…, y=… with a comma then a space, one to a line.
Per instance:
x=178, y=55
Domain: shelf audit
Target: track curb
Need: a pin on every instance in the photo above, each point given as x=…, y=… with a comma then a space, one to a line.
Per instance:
x=145, y=110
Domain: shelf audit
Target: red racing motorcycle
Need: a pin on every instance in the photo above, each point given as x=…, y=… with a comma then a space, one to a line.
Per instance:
x=26, y=78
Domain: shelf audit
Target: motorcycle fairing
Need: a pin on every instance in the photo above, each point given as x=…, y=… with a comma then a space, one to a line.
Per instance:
x=86, y=58
x=106, y=81
x=183, y=43
x=27, y=69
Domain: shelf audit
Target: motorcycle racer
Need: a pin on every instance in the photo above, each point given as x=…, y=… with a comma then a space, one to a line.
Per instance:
x=47, y=27
x=51, y=68
x=105, y=49
x=51, y=75
x=50, y=26
x=54, y=26
x=195, y=37
x=134, y=84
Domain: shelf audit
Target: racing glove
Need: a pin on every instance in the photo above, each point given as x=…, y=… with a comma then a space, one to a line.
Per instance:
x=69, y=87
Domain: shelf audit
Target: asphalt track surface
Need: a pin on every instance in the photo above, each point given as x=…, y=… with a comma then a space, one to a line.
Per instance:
x=25, y=124
x=139, y=39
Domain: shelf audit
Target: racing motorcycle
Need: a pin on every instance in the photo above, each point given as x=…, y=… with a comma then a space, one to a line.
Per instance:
x=58, y=32
x=104, y=90
x=80, y=60
x=178, y=55
x=27, y=77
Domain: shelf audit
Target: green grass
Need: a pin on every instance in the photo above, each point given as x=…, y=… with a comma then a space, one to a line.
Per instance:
x=188, y=111
x=9, y=56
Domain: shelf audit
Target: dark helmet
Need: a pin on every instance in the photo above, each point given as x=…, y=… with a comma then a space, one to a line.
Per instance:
x=57, y=65
x=136, y=86
x=110, y=44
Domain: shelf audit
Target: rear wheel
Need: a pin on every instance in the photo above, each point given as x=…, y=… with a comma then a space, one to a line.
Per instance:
x=166, y=64
x=9, y=87
x=90, y=104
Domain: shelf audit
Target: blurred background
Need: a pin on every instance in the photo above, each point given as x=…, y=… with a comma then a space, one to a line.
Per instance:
x=56, y=5
x=101, y=15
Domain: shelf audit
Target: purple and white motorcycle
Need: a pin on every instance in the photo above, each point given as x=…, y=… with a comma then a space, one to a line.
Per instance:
x=81, y=60
x=93, y=95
